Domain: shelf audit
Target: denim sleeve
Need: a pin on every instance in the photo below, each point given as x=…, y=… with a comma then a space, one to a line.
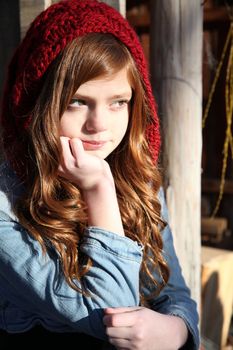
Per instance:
x=175, y=298
x=34, y=282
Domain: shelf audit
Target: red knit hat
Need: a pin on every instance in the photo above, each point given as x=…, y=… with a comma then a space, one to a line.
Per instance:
x=48, y=34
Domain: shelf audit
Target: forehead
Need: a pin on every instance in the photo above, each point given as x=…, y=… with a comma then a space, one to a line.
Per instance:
x=116, y=83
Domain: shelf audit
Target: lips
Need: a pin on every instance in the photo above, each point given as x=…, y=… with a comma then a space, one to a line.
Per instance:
x=93, y=145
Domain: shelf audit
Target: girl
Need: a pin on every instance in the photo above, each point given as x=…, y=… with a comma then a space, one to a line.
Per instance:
x=84, y=244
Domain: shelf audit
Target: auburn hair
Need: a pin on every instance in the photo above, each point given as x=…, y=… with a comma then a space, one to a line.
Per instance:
x=52, y=208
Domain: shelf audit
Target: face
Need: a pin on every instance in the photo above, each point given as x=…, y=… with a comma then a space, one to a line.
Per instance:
x=98, y=113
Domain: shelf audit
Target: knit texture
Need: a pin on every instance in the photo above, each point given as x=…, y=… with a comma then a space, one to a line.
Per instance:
x=48, y=34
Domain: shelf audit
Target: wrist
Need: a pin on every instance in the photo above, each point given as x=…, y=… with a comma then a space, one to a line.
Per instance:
x=102, y=207
x=180, y=331
x=104, y=188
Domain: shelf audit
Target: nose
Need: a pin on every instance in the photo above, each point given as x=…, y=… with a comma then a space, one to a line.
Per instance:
x=97, y=120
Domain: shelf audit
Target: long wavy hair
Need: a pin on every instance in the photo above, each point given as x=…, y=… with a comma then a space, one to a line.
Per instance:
x=52, y=209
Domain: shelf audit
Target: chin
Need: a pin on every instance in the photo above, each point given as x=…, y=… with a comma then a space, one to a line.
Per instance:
x=99, y=154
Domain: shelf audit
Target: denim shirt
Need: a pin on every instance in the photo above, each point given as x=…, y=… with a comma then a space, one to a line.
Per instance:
x=34, y=291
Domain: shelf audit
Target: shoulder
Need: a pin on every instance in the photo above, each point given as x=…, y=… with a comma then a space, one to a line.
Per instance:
x=10, y=189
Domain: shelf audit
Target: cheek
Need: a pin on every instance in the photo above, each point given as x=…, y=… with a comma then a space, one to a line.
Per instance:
x=64, y=128
x=124, y=127
x=69, y=126
x=119, y=128
x=123, y=124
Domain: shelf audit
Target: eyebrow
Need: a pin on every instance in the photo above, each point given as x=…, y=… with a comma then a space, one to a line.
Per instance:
x=127, y=94
x=122, y=95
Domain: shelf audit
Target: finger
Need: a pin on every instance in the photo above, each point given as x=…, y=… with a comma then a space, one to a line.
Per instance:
x=120, y=344
x=119, y=332
x=125, y=319
x=61, y=171
x=77, y=149
x=67, y=158
x=66, y=152
x=117, y=310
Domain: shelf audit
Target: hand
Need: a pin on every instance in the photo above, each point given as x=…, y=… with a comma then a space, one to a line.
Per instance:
x=94, y=178
x=139, y=328
x=80, y=167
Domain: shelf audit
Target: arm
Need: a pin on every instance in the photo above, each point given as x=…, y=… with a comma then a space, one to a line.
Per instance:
x=103, y=209
x=170, y=322
x=175, y=298
x=35, y=285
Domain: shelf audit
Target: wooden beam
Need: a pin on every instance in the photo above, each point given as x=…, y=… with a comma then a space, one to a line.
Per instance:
x=213, y=229
x=213, y=186
x=213, y=225
x=139, y=17
x=216, y=14
x=142, y=19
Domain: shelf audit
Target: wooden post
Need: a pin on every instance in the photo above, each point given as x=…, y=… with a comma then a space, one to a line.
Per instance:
x=29, y=9
x=176, y=69
x=119, y=5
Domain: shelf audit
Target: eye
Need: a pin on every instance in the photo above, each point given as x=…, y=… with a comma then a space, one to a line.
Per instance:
x=119, y=104
x=76, y=103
